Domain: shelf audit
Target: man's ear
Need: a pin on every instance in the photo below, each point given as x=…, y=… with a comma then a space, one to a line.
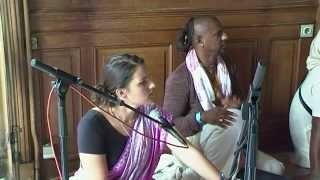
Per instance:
x=121, y=93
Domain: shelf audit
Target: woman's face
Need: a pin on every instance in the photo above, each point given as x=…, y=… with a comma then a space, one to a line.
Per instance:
x=139, y=89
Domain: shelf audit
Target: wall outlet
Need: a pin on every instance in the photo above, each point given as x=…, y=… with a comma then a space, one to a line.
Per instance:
x=34, y=43
x=306, y=30
x=47, y=151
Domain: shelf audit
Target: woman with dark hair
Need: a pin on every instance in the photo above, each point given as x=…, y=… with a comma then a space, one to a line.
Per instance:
x=203, y=96
x=110, y=150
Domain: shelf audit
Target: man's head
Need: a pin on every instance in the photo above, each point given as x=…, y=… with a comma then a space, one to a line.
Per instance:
x=206, y=36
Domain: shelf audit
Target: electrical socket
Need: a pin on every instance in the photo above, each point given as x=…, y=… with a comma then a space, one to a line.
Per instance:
x=47, y=151
x=306, y=30
x=34, y=43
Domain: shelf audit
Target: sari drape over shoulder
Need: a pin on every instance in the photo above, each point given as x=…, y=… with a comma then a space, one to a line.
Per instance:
x=141, y=154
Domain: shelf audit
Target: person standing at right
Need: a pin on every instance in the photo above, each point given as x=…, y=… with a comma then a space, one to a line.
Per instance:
x=304, y=117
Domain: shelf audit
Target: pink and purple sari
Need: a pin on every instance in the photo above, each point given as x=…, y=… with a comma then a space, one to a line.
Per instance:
x=141, y=155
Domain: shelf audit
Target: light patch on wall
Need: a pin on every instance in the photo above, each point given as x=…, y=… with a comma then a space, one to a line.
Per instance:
x=4, y=149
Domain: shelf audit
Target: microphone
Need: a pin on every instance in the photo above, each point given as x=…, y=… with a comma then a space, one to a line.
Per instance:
x=55, y=72
x=155, y=114
x=70, y=79
x=254, y=90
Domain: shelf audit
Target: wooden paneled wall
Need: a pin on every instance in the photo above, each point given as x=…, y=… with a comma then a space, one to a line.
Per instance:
x=78, y=35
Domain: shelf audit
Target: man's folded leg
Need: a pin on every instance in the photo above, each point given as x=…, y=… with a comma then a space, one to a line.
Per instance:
x=266, y=162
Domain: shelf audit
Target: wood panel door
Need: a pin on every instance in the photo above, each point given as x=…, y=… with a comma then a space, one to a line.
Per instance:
x=286, y=69
x=158, y=60
x=242, y=53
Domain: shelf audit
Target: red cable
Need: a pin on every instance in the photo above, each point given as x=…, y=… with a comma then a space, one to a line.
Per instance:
x=50, y=133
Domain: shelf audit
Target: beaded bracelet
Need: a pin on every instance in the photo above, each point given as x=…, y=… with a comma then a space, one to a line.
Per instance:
x=199, y=119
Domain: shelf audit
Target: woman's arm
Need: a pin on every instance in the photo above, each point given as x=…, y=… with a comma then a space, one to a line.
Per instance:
x=194, y=159
x=94, y=166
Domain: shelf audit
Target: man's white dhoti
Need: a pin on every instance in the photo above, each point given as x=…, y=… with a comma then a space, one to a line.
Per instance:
x=218, y=145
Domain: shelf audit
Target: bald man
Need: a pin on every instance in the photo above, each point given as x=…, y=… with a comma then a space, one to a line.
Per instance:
x=204, y=99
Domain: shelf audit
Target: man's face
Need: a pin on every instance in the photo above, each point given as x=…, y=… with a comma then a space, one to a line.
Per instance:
x=213, y=40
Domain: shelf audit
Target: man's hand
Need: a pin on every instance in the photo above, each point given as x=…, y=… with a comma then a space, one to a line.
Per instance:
x=218, y=116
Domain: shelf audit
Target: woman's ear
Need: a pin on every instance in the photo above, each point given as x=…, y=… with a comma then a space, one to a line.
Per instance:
x=121, y=93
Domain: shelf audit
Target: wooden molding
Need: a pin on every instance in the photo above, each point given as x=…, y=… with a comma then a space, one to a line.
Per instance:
x=171, y=20
x=163, y=5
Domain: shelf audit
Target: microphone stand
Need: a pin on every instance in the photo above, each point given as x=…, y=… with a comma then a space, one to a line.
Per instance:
x=61, y=88
x=247, y=142
x=251, y=149
x=62, y=83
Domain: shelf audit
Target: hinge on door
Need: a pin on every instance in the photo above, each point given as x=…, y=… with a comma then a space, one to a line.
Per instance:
x=34, y=43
